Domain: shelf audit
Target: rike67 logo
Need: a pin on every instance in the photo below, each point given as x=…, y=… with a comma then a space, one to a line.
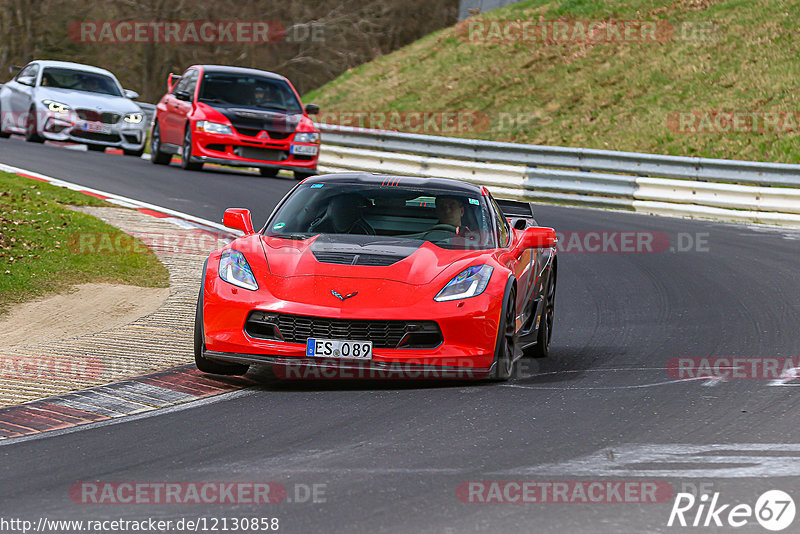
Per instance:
x=774, y=510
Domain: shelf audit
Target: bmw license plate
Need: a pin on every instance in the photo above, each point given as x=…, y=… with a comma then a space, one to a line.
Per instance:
x=339, y=348
x=304, y=150
x=96, y=127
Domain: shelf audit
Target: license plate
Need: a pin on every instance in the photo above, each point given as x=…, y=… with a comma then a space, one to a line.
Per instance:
x=304, y=150
x=339, y=348
x=96, y=127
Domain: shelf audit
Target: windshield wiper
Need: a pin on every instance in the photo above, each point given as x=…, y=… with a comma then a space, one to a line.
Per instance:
x=279, y=108
x=291, y=236
x=217, y=100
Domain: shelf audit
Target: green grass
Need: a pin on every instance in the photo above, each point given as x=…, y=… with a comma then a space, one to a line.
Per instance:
x=40, y=238
x=617, y=95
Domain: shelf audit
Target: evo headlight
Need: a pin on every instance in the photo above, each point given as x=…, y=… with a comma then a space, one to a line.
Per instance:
x=306, y=137
x=213, y=127
x=234, y=269
x=133, y=118
x=55, y=107
x=468, y=283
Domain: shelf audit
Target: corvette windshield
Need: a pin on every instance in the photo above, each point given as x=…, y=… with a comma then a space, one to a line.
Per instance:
x=250, y=91
x=78, y=80
x=449, y=219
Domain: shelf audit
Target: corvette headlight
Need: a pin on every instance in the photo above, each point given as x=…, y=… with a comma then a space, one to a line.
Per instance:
x=307, y=137
x=234, y=269
x=56, y=107
x=133, y=118
x=213, y=127
x=469, y=283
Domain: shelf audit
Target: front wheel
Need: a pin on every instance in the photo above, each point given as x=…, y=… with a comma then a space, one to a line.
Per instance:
x=269, y=172
x=3, y=135
x=32, y=127
x=156, y=155
x=204, y=364
x=506, y=346
x=96, y=148
x=186, y=153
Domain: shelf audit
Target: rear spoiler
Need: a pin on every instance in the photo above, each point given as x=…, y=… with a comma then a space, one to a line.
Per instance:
x=515, y=208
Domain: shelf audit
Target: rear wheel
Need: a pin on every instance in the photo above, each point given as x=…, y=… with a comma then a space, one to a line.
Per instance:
x=204, y=364
x=156, y=155
x=542, y=347
x=506, y=345
x=268, y=172
x=186, y=153
x=32, y=127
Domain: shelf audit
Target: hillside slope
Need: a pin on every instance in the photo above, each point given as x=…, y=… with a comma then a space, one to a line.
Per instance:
x=716, y=78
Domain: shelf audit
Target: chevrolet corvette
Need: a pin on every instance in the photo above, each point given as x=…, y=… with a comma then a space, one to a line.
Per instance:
x=359, y=275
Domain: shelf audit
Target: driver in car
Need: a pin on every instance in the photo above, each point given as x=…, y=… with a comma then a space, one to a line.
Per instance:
x=343, y=216
x=449, y=210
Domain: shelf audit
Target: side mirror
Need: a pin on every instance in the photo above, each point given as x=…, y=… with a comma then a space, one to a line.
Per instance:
x=133, y=95
x=183, y=95
x=538, y=237
x=312, y=109
x=238, y=219
x=172, y=79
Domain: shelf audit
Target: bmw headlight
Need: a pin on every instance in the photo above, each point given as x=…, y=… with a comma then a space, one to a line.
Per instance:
x=234, y=269
x=468, y=283
x=133, y=118
x=213, y=127
x=56, y=107
x=306, y=137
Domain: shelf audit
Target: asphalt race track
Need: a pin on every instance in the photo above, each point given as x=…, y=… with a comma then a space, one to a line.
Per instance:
x=395, y=457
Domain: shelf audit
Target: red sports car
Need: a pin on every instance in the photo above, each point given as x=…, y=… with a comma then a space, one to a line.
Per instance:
x=235, y=116
x=358, y=275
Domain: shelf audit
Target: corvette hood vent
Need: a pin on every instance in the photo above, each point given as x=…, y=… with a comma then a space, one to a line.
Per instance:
x=351, y=258
x=362, y=250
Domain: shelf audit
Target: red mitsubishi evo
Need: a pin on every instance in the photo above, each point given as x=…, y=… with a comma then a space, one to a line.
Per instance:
x=235, y=116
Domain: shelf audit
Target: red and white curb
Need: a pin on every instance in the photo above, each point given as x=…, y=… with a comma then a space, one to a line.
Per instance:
x=128, y=397
x=145, y=393
x=184, y=220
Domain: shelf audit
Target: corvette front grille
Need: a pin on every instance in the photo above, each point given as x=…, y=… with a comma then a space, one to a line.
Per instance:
x=384, y=334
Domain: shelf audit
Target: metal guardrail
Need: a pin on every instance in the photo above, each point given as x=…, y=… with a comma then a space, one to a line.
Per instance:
x=584, y=159
x=641, y=182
